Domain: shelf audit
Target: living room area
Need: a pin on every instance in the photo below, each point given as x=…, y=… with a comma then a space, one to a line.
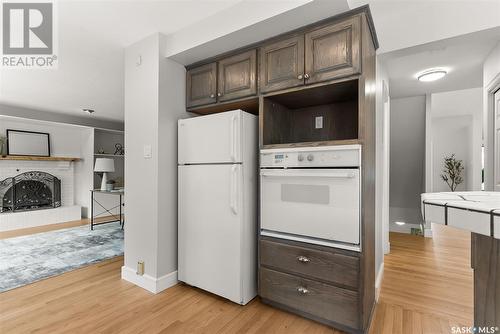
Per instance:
x=58, y=211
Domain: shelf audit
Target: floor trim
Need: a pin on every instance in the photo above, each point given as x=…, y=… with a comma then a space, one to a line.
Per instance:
x=378, y=281
x=154, y=285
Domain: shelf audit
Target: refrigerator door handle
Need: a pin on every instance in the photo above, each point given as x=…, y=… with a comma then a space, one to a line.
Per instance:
x=234, y=190
x=233, y=138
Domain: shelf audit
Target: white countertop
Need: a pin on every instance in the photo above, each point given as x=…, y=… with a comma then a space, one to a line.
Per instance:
x=475, y=211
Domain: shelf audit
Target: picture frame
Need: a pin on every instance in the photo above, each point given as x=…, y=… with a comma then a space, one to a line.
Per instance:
x=28, y=143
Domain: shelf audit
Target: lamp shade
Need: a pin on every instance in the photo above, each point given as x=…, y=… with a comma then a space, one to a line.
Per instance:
x=104, y=165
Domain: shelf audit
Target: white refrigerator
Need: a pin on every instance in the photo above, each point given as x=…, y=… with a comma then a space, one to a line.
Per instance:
x=218, y=204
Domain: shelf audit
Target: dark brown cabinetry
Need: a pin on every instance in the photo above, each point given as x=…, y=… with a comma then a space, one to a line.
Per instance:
x=282, y=64
x=319, y=282
x=237, y=76
x=228, y=79
x=333, y=51
x=201, y=85
x=485, y=260
x=325, y=53
x=289, y=119
x=311, y=298
x=309, y=88
x=320, y=264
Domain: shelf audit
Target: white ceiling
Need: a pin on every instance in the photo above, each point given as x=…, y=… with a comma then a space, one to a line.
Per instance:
x=92, y=35
x=462, y=56
x=405, y=23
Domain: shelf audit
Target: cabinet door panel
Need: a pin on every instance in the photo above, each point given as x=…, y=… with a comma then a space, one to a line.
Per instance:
x=201, y=85
x=237, y=76
x=282, y=64
x=333, y=51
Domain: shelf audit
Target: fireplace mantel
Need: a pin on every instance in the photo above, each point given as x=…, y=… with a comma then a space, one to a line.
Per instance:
x=33, y=158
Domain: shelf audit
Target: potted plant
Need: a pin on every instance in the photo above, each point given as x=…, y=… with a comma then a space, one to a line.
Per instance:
x=110, y=185
x=452, y=172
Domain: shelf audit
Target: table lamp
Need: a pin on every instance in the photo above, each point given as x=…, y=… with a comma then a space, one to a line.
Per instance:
x=104, y=166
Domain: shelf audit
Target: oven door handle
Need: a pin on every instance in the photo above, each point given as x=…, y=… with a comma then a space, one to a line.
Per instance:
x=328, y=175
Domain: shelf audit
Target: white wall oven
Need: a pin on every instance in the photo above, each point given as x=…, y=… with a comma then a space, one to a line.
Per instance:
x=312, y=195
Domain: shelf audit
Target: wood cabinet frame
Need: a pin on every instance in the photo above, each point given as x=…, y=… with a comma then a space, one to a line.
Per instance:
x=210, y=79
x=248, y=78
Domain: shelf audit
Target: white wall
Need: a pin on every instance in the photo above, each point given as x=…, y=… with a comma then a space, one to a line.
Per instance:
x=245, y=23
x=382, y=170
x=150, y=183
x=407, y=143
x=172, y=107
x=455, y=127
x=491, y=73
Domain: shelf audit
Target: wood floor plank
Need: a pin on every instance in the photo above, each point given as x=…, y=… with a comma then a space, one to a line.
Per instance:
x=427, y=288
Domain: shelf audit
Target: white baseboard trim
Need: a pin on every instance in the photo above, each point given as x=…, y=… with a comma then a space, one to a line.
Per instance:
x=378, y=281
x=154, y=285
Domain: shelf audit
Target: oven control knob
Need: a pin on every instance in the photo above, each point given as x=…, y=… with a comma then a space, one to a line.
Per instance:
x=310, y=157
x=300, y=157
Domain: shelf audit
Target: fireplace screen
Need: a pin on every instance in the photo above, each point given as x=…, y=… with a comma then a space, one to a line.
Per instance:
x=30, y=191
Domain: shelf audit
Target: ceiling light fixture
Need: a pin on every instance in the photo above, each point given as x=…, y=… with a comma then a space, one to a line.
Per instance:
x=400, y=223
x=431, y=75
x=87, y=110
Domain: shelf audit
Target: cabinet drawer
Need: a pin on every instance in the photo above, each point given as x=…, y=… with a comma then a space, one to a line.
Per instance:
x=317, y=299
x=327, y=266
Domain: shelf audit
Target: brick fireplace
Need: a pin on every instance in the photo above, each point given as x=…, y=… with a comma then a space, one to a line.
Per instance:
x=43, y=194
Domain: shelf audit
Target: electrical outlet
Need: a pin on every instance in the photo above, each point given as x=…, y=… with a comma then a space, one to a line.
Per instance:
x=140, y=268
x=318, y=122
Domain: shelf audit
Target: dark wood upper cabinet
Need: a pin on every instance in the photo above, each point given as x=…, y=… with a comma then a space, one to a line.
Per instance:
x=333, y=51
x=282, y=64
x=201, y=85
x=237, y=76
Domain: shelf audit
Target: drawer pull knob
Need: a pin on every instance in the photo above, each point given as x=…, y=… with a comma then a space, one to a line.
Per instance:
x=303, y=259
x=302, y=290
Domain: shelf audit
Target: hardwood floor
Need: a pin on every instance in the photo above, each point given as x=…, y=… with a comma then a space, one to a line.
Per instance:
x=427, y=285
x=40, y=229
x=51, y=227
x=427, y=288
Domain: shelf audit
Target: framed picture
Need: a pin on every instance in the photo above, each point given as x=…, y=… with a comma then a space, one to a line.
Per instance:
x=30, y=143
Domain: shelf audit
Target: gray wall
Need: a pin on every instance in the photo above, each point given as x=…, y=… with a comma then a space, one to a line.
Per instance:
x=407, y=159
x=10, y=110
x=154, y=101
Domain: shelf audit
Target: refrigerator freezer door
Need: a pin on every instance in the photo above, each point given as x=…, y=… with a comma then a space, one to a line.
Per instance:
x=210, y=211
x=211, y=139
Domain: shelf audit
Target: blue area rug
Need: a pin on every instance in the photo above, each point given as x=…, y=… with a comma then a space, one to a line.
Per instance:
x=30, y=258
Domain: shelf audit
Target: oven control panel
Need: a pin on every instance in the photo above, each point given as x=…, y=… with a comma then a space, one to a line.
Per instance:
x=328, y=156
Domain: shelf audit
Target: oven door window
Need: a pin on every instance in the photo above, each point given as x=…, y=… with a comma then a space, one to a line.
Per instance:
x=315, y=203
x=305, y=193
